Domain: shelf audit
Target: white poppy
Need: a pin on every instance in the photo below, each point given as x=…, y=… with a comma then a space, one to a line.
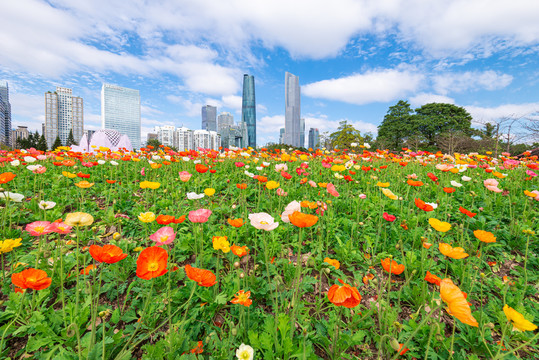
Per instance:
x=46, y=205
x=245, y=352
x=29, y=159
x=101, y=162
x=194, y=196
x=11, y=196
x=113, y=163
x=466, y=178
x=15, y=163
x=455, y=184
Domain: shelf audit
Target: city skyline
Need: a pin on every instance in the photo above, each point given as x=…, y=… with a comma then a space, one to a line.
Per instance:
x=355, y=58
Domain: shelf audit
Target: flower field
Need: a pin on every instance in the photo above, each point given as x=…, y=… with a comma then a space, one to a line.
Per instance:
x=246, y=254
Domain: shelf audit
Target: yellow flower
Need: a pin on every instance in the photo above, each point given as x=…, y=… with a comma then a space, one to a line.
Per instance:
x=221, y=243
x=382, y=185
x=149, y=185
x=209, y=191
x=389, y=194
x=147, y=217
x=519, y=322
x=68, y=174
x=272, y=185
x=438, y=225
x=529, y=193
x=138, y=248
x=338, y=168
x=9, y=244
x=338, y=176
x=135, y=159
x=84, y=184
x=79, y=219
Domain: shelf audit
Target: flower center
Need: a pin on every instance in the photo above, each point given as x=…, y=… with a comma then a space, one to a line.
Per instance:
x=264, y=222
x=163, y=238
x=39, y=229
x=244, y=355
x=153, y=266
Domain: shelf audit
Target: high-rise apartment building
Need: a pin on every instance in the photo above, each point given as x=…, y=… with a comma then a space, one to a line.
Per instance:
x=183, y=139
x=206, y=139
x=292, y=110
x=248, y=108
x=63, y=114
x=5, y=114
x=224, y=120
x=209, y=118
x=18, y=134
x=120, y=111
x=314, y=138
x=165, y=134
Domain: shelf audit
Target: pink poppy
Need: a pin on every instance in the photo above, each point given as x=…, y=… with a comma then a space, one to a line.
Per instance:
x=142, y=172
x=60, y=228
x=38, y=228
x=531, y=173
x=40, y=170
x=491, y=182
x=199, y=216
x=163, y=236
x=263, y=221
x=389, y=217
x=184, y=176
x=312, y=183
x=239, y=164
x=281, y=192
x=326, y=165
x=331, y=190
x=362, y=196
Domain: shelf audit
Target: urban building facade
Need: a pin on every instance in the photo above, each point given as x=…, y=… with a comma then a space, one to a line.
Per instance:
x=183, y=139
x=302, y=132
x=63, y=114
x=314, y=138
x=281, y=136
x=224, y=119
x=203, y=139
x=248, y=108
x=5, y=114
x=165, y=134
x=20, y=133
x=120, y=111
x=234, y=136
x=209, y=118
x=292, y=110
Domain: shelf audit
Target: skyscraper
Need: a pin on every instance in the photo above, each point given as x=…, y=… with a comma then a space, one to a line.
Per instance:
x=314, y=138
x=292, y=110
x=120, y=111
x=209, y=118
x=5, y=114
x=248, y=108
x=225, y=119
x=302, y=132
x=63, y=114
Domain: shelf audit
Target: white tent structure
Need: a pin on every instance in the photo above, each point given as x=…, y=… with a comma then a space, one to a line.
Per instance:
x=108, y=138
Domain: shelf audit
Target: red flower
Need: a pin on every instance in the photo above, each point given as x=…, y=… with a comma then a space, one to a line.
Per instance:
x=179, y=220
x=286, y=175
x=31, y=279
x=203, y=277
x=201, y=168
x=152, y=262
x=422, y=205
x=449, y=190
x=467, y=212
x=388, y=217
x=109, y=254
x=432, y=177
x=433, y=279
x=344, y=295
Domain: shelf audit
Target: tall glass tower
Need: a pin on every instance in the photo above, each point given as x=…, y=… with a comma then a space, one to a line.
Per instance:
x=248, y=108
x=120, y=111
x=292, y=111
x=209, y=118
x=5, y=114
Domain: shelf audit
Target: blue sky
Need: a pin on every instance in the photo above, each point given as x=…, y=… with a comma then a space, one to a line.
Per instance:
x=354, y=58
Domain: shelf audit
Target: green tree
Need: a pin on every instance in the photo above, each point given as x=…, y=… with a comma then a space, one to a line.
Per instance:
x=153, y=142
x=70, y=139
x=41, y=143
x=434, y=119
x=57, y=143
x=397, y=125
x=345, y=135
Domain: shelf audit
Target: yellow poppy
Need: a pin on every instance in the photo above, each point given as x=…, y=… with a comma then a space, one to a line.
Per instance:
x=84, y=184
x=438, y=225
x=452, y=252
x=9, y=244
x=68, y=174
x=519, y=322
x=147, y=217
x=79, y=219
x=485, y=236
x=209, y=191
x=389, y=194
x=382, y=185
x=149, y=185
x=456, y=302
x=272, y=185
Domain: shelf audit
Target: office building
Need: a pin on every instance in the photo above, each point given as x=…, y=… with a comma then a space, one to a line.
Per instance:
x=20, y=133
x=5, y=114
x=120, y=111
x=281, y=136
x=314, y=138
x=234, y=136
x=165, y=135
x=224, y=119
x=302, y=132
x=209, y=118
x=203, y=139
x=248, y=109
x=63, y=114
x=292, y=111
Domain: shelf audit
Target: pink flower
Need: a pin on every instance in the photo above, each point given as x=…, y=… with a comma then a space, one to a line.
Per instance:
x=388, y=217
x=312, y=183
x=536, y=192
x=165, y=235
x=142, y=172
x=199, y=216
x=281, y=192
x=494, y=189
x=331, y=190
x=289, y=210
x=60, y=228
x=362, y=196
x=412, y=176
x=239, y=164
x=263, y=221
x=506, y=154
x=491, y=182
x=38, y=228
x=184, y=176
x=531, y=173
x=40, y=170
x=326, y=165
x=281, y=167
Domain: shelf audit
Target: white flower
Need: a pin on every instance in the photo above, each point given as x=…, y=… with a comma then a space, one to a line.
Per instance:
x=156, y=157
x=265, y=164
x=150, y=162
x=245, y=352
x=367, y=145
x=29, y=159
x=260, y=168
x=247, y=166
x=289, y=210
x=11, y=196
x=353, y=144
x=15, y=163
x=113, y=163
x=194, y=196
x=167, y=157
x=338, y=176
x=245, y=154
x=197, y=162
x=46, y=205
x=434, y=205
x=33, y=167
x=249, y=174
x=42, y=157
x=466, y=178
x=185, y=158
x=101, y=162
x=455, y=184
x=349, y=164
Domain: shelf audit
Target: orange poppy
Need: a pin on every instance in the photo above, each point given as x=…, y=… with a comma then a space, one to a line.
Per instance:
x=239, y=250
x=179, y=220
x=203, y=277
x=111, y=181
x=485, y=236
x=449, y=190
x=6, y=177
x=242, y=298
x=156, y=165
x=302, y=220
x=467, y=212
x=109, y=254
x=392, y=266
x=152, y=262
x=427, y=245
x=335, y=263
x=164, y=219
x=31, y=278
x=242, y=186
x=422, y=205
x=456, y=302
x=84, y=184
x=433, y=279
x=235, y=222
x=87, y=269
x=262, y=179
x=367, y=278
x=199, y=349
x=309, y=204
x=452, y=252
x=201, y=168
x=68, y=162
x=414, y=182
x=344, y=295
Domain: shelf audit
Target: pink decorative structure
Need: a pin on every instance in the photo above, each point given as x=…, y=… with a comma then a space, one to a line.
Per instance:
x=108, y=138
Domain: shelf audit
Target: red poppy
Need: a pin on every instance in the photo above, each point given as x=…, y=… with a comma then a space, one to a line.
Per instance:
x=344, y=295
x=286, y=175
x=198, y=349
x=262, y=179
x=433, y=279
x=31, y=278
x=365, y=168
x=449, y=190
x=164, y=219
x=392, y=266
x=432, y=177
x=152, y=262
x=201, y=168
x=179, y=220
x=389, y=217
x=203, y=277
x=109, y=254
x=111, y=181
x=213, y=171
x=467, y=212
x=422, y=205
x=383, y=167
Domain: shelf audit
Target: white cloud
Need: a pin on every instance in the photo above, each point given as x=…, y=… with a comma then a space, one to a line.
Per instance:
x=31, y=108
x=231, y=102
x=373, y=86
x=425, y=98
x=270, y=124
x=470, y=80
x=491, y=114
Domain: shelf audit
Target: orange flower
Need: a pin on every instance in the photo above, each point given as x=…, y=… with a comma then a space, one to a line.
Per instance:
x=309, y=204
x=201, y=168
x=452, y=252
x=199, y=349
x=367, y=278
x=203, y=277
x=456, y=302
x=109, y=254
x=240, y=251
x=68, y=162
x=467, y=212
x=422, y=205
x=84, y=184
x=152, y=262
x=433, y=279
x=449, y=190
x=179, y=220
x=414, y=182
x=427, y=245
x=262, y=179
x=164, y=219
x=6, y=177
x=302, y=220
x=111, y=181
x=392, y=266
x=485, y=236
x=156, y=165
x=235, y=222
x=87, y=269
x=242, y=298
x=344, y=295
x=241, y=186
x=31, y=279
x=335, y=263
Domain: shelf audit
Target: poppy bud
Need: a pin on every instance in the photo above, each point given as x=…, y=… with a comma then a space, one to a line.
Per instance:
x=440, y=337
x=394, y=344
x=237, y=264
x=397, y=246
x=490, y=325
x=475, y=267
x=311, y=262
x=482, y=275
x=414, y=271
x=116, y=236
x=361, y=223
x=327, y=270
x=242, y=275
x=234, y=331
